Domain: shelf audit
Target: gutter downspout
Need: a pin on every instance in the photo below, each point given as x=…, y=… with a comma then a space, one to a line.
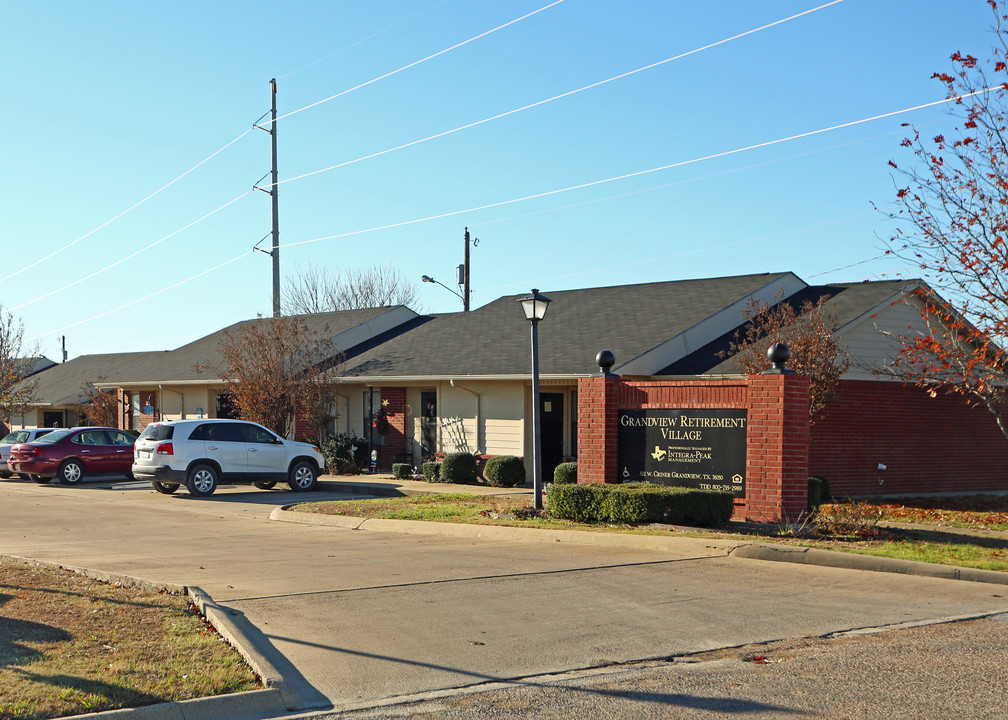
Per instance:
x=477, y=396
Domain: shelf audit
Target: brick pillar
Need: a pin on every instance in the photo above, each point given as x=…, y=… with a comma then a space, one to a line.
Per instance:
x=777, y=448
x=395, y=439
x=597, y=450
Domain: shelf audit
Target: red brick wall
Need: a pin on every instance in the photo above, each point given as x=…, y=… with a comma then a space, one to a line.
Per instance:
x=777, y=434
x=395, y=440
x=928, y=445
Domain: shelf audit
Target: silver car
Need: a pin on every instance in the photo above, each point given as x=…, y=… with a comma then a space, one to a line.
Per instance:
x=13, y=438
x=200, y=454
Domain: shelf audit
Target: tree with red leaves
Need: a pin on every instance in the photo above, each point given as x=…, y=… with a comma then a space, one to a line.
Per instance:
x=953, y=224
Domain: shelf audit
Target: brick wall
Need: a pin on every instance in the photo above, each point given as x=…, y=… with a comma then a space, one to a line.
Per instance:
x=777, y=433
x=395, y=440
x=928, y=445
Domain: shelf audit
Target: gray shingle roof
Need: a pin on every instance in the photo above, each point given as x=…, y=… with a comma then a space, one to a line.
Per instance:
x=848, y=301
x=495, y=339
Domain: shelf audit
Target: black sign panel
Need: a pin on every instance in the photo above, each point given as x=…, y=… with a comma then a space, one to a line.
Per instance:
x=698, y=448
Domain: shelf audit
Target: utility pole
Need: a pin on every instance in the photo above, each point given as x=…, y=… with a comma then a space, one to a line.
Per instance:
x=275, y=252
x=465, y=292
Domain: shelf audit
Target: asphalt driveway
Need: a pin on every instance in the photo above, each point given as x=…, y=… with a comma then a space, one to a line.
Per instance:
x=355, y=617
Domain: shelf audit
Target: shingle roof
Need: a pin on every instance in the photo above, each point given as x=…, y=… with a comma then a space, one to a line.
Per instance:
x=848, y=301
x=62, y=384
x=495, y=339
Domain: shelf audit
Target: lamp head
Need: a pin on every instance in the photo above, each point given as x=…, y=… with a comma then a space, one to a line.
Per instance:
x=427, y=278
x=535, y=306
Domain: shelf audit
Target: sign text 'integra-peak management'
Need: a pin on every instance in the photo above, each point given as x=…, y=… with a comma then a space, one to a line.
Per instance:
x=699, y=448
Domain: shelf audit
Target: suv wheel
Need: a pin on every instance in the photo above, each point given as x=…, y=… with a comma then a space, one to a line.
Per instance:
x=164, y=488
x=202, y=480
x=39, y=479
x=303, y=477
x=264, y=484
x=70, y=472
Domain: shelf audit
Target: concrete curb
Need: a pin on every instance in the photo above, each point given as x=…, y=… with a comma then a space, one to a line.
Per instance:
x=854, y=561
x=278, y=698
x=681, y=546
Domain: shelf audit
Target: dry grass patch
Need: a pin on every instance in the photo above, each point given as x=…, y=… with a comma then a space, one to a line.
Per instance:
x=70, y=644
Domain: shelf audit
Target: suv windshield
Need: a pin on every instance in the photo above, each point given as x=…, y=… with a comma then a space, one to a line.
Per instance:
x=18, y=436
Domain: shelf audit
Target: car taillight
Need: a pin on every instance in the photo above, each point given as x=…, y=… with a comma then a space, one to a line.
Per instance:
x=30, y=451
x=165, y=449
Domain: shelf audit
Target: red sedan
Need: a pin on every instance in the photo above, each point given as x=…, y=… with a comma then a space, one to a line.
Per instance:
x=73, y=453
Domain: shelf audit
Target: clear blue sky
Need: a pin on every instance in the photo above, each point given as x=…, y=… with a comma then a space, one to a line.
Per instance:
x=108, y=102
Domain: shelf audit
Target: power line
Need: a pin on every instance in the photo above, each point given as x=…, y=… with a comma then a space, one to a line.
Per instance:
x=294, y=112
x=423, y=60
x=145, y=297
x=558, y=97
x=639, y=173
x=130, y=208
x=131, y=255
x=567, y=189
x=362, y=40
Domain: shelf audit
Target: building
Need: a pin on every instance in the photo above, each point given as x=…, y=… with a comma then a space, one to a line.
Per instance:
x=414, y=385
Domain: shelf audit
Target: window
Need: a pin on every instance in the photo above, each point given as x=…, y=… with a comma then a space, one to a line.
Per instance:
x=158, y=432
x=119, y=438
x=91, y=437
x=256, y=434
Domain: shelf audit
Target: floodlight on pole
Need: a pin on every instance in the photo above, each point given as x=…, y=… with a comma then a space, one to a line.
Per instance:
x=429, y=279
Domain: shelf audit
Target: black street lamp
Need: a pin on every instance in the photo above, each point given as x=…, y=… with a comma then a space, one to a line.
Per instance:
x=535, y=306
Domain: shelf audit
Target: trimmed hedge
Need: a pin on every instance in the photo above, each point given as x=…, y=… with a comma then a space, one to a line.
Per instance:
x=459, y=468
x=505, y=471
x=639, y=503
x=565, y=473
x=402, y=471
x=818, y=491
x=432, y=472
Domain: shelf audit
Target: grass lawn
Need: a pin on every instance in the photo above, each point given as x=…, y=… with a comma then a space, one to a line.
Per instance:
x=71, y=645
x=964, y=544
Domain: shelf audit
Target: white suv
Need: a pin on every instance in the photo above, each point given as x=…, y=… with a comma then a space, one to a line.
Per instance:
x=202, y=453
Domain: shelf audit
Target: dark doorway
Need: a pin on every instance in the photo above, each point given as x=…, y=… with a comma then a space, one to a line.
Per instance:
x=226, y=407
x=551, y=419
x=52, y=419
x=428, y=425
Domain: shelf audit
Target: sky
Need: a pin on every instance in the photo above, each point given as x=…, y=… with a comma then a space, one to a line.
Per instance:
x=585, y=143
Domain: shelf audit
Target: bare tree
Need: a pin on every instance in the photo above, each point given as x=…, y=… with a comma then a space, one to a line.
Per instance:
x=808, y=331
x=17, y=362
x=317, y=290
x=277, y=369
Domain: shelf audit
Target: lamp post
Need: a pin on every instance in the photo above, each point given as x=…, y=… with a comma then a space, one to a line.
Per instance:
x=429, y=279
x=535, y=306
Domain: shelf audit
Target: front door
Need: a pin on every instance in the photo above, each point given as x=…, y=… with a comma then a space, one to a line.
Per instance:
x=551, y=421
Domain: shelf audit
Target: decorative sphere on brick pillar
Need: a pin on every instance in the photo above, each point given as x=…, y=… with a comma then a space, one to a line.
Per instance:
x=605, y=360
x=778, y=354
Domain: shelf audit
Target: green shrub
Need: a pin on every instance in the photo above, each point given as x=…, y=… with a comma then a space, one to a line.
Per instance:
x=565, y=473
x=402, y=471
x=578, y=502
x=818, y=491
x=505, y=471
x=639, y=503
x=432, y=471
x=459, y=468
x=344, y=454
